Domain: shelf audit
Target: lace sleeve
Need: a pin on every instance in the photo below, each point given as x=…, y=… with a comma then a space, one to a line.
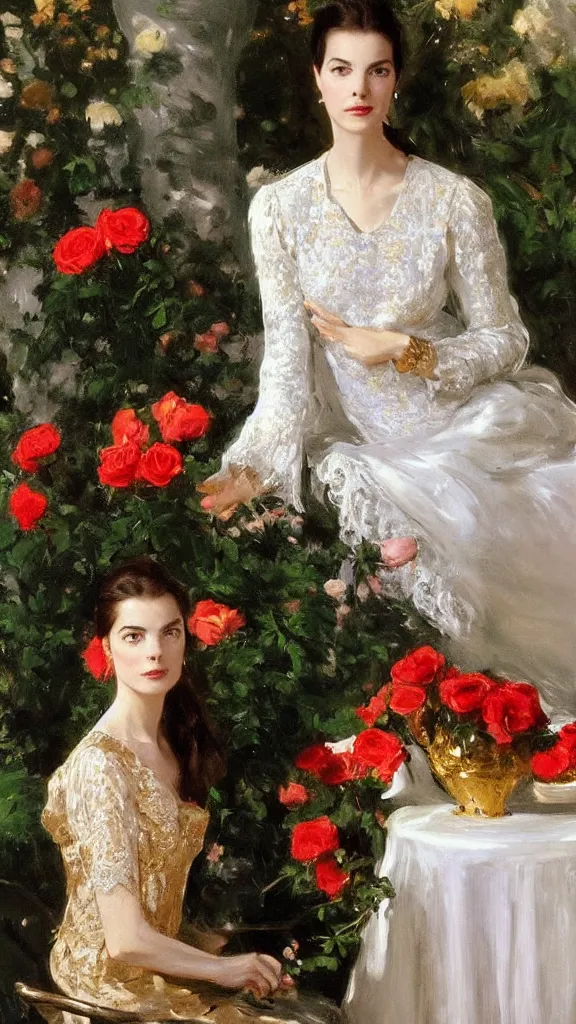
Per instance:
x=102, y=815
x=495, y=340
x=271, y=441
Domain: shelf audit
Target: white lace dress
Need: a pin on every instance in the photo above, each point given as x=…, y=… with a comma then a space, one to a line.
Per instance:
x=477, y=465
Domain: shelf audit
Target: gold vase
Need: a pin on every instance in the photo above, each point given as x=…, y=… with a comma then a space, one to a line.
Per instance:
x=480, y=775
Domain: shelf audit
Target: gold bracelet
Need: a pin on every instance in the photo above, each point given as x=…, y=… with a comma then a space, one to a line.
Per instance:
x=419, y=357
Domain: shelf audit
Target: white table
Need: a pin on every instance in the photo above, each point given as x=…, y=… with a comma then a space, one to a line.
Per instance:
x=483, y=926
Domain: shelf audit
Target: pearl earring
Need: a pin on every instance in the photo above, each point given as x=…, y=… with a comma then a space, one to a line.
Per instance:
x=320, y=100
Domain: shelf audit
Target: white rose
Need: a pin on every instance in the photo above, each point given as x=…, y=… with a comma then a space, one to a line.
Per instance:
x=6, y=89
x=100, y=114
x=6, y=140
x=151, y=40
x=14, y=32
x=10, y=19
x=35, y=139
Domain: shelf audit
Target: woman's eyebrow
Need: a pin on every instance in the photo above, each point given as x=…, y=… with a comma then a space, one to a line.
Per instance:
x=375, y=63
x=141, y=629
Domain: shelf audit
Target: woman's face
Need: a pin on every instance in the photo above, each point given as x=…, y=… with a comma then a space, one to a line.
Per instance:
x=358, y=71
x=147, y=643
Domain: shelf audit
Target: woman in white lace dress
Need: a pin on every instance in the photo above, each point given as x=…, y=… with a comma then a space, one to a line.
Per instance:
x=420, y=425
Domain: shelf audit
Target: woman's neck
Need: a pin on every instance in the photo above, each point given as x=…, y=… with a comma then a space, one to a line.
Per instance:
x=134, y=717
x=363, y=161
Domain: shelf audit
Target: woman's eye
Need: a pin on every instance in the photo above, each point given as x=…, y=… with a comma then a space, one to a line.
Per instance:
x=340, y=68
x=132, y=637
x=382, y=72
x=176, y=632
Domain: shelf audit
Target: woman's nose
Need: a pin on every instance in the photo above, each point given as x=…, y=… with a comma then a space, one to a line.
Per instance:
x=153, y=649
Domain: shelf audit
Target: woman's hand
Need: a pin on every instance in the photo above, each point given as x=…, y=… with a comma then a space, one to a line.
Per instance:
x=368, y=345
x=256, y=972
x=224, y=495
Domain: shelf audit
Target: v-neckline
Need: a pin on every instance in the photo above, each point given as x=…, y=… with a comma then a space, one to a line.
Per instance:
x=412, y=160
x=140, y=763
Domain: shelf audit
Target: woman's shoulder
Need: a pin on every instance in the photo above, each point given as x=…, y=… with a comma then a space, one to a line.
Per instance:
x=456, y=186
x=96, y=752
x=286, y=191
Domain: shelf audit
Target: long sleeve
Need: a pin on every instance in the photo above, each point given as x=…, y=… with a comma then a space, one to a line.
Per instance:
x=102, y=816
x=271, y=441
x=495, y=340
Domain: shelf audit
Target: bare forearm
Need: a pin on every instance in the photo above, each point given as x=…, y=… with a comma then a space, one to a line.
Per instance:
x=156, y=952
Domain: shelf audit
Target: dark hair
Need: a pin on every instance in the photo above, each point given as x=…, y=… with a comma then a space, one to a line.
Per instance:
x=184, y=723
x=364, y=16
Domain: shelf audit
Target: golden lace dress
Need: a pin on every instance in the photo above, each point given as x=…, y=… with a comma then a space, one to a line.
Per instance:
x=478, y=464
x=117, y=824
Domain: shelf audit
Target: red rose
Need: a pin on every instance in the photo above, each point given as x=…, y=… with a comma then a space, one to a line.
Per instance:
x=160, y=464
x=510, y=709
x=464, y=693
x=25, y=199
x=165, y=406
x=330, y=878
x=419, y=668
x=27, y=506
x=95, y=659
x=119, y=464
x=549, y=764
x=380, y=750
x=186, y=423
x=78, y=250
x=341, y=768
x=35, y=444
x=314, y=759
x=373, y=711
x=568, y=736
x=221, y=329
x=123, y=229
x=311, y=839
x=293, y=795
x=406, y=699
x=211, y=622
x=126, y=426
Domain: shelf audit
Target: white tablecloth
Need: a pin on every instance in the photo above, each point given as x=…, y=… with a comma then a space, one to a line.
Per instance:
x=483, y=926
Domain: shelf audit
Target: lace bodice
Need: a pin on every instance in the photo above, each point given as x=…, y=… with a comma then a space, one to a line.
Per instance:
x=440, y=241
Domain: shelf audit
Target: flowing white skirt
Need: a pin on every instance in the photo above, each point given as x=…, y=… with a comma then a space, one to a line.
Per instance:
x=491, y=499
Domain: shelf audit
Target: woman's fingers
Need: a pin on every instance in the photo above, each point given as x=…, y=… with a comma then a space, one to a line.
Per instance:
x=324, y=314
x=270, y=971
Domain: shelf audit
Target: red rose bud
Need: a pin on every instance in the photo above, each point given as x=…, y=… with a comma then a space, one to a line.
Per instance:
x=380, y=750
x=419, y=668
x=371, y=713
x=511, y=709
x=78, y=250
x=160, y=464
x=212, y=622
x=221, y=329
x=208, y=342
x=25, y=199
x=35, y=444
x=126, y=426
x=293, y=795
x=123, y=230
x=27, y=506
x=330, y=878
x=406, y=699
x=95, y=660
x=119, y=464
x=312, y=839
x=465, y=693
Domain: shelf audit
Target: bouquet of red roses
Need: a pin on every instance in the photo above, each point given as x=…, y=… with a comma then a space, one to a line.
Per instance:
x=431, y=695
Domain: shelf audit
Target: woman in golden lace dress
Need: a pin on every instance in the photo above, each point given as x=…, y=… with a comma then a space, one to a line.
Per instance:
x=126, y=810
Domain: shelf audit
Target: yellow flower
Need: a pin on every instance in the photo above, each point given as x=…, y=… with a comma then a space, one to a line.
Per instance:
x=510, y=88
x=46, y=9
x=300, y=8
x=531, y=22
x=78, y=5
x=151, y=40
x=457, y=8
x=100, y=114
